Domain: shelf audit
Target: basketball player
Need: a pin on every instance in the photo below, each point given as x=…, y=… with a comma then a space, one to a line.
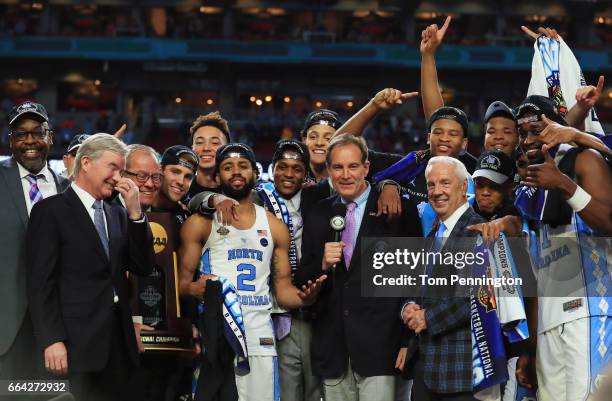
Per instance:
x=242, y=254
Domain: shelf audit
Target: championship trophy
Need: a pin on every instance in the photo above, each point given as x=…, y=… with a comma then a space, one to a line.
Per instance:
x=156, y=297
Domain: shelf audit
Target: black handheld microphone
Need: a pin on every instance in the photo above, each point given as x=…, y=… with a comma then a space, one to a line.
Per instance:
x=337, y=222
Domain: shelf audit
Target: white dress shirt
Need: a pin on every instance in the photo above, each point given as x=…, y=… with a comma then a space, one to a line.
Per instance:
x=452, y=220
x=88, y=202
x=46, y=185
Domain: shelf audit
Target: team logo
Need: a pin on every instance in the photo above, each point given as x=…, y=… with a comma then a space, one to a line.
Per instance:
x=337, y=223
x=223, y=230
x=26, y=107
x=263, y=242
x=491, y=162
x=160, y=237
x=150, y=296
x=486, y=298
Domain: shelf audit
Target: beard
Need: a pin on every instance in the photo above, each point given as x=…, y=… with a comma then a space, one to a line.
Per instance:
x=238, y=194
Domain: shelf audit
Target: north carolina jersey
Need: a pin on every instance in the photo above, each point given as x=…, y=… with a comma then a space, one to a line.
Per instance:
x=573, y=268
x=243, y=257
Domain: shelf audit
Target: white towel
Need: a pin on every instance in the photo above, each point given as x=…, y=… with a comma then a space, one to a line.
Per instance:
x=555, y=73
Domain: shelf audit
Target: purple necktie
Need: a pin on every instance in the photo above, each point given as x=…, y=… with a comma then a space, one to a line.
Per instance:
x=34, y=192
x=348, y=235
x=282, y=325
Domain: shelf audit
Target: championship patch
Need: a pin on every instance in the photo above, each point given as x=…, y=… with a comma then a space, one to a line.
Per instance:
x=573, y=304
x=266, y=341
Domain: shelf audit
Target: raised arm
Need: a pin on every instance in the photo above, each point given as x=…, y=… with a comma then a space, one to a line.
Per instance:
x=431, y=96
x=554, y=134
x=593, y=176
x=586, y=97
x=385, y=99
x=194, y=233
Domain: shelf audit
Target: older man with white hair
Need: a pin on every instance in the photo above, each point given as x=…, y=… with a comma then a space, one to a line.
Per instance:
x=443, y=366
x=78, y=250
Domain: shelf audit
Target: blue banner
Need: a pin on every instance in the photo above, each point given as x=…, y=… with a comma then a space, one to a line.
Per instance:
x=489, y=363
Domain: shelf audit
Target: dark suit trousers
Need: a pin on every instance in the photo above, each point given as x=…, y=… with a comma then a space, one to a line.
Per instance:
x=420, y=391
x=23, y=360
x=111, y=383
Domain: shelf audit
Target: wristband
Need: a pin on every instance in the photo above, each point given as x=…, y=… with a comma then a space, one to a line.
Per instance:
x=579, y=200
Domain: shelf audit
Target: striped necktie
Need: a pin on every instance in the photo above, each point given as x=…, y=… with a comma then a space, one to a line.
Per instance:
x=348, y=235
x=34, y=192
x=99, y=223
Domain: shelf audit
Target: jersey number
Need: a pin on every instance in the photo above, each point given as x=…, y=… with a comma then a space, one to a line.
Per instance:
x=244, y=278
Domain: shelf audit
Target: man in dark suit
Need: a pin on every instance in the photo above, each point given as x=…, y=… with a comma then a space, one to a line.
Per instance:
x=356, y=340
x=441, y=318
x=77, y=284
x=25, y=179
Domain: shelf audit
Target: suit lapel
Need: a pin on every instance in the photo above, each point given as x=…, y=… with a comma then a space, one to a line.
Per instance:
x=12, y=180
x=86, y=226
x=61, y=183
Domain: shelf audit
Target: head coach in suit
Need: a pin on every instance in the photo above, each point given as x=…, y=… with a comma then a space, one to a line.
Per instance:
x=443, y=366
x=356, y=340
x=25, y=179
x=77, y=284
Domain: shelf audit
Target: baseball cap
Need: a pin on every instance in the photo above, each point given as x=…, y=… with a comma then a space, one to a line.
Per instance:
x=176, y=155
x=496, y=166
x=235, y=150
x=538, y=105
x=450, y=113
x=499, y=109
x=322, y=116
x=27, y=108
x=76, y=142
x=291, y=149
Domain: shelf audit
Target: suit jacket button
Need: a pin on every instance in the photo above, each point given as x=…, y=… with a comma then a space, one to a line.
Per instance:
x=346, y=312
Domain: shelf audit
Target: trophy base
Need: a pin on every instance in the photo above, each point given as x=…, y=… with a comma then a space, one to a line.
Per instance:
x=167, y=341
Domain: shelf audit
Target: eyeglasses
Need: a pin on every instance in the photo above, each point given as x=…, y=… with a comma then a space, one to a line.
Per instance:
x=38, y=134
x=144, y=177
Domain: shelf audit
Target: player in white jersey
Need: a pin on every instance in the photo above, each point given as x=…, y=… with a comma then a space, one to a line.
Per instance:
x=573, y=262
x=247, y=254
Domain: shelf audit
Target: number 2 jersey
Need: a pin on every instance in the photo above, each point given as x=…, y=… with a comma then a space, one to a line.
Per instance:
x=243, y=257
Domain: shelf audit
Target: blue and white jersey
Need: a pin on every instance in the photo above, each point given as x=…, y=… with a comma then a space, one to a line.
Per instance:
x=243, y=257
x=569, y=260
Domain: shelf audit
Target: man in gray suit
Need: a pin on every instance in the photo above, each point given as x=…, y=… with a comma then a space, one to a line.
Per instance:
x=25, y=179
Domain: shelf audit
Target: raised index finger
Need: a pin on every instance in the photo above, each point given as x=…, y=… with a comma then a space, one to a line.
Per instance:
x=446, y=24
x=529, y=32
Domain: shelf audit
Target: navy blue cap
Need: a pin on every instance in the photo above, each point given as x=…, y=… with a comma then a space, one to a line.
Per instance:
x=235, y=149
x=539, y=105
x=450, y=113
x=291, y=149
x=499, y=109
x=176, y=155
x=27, y=108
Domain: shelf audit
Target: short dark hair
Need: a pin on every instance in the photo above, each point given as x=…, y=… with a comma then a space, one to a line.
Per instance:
x=212, y=119
x=347, y=139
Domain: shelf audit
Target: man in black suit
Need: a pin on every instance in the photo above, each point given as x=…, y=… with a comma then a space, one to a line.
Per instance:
x=77, y=284
x=356, y=340
x=25, y=179
x=441, y=319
